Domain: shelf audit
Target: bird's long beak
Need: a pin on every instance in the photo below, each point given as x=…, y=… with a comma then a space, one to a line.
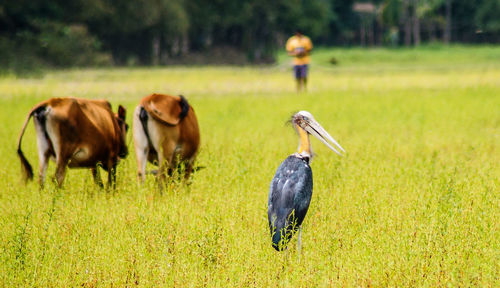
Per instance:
x=314, y=128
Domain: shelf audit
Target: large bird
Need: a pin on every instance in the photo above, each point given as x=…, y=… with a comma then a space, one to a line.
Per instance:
x=291, y=188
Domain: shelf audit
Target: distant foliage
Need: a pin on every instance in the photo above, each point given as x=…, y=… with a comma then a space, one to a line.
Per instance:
x=157, y=32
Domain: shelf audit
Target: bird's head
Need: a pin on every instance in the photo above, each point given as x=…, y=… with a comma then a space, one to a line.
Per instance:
x=305, y=124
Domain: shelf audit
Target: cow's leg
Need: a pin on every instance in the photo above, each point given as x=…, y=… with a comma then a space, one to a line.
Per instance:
x=42, y=169
x=97, y=176
x=43, y=145
x=161, y=168
x=189, y=168
x=111, y=167
x=142, y=159
x=112, y=177
x=141, y=145
x=62, y=155
x=169, y=159
x=175, y=163
x=61, y=163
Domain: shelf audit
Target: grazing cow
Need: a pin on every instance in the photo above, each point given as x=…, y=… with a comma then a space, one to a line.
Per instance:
x=77, y=133
x=166, y=133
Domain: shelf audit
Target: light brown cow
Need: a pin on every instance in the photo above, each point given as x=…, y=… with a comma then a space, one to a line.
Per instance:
x=77, y=133
x=166, y=133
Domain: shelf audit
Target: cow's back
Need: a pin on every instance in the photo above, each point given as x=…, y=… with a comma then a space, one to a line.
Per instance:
x=100, y=115
x=86, y=129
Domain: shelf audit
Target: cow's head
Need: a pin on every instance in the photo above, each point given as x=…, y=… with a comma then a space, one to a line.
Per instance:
x=123, y=127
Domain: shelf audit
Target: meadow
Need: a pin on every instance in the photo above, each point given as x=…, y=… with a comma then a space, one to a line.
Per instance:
x=412, y=204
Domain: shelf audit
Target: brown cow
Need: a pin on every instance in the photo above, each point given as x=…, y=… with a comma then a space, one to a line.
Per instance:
x=77, y=133
x=165, y=133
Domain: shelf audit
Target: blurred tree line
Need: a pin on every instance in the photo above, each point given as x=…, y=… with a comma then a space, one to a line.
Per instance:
x=65, y=33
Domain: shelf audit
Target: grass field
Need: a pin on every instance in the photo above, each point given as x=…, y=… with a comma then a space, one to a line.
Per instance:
x=413, y=204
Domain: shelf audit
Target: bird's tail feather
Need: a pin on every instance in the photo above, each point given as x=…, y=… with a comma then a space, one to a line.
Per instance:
x=282, y=232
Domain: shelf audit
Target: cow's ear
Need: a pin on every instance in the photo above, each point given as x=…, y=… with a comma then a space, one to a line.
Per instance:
x=122, y=112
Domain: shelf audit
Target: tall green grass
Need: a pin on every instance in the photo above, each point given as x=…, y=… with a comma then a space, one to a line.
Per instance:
x=414, y=203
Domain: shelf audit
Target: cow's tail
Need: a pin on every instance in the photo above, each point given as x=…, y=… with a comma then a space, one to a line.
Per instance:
x=143, y=116
x=25, y=165
x=184, y=107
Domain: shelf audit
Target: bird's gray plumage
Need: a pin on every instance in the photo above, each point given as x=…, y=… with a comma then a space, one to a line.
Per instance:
x=289, y=197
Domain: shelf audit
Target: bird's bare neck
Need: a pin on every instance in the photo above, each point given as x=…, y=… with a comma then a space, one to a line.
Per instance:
x=305, y=149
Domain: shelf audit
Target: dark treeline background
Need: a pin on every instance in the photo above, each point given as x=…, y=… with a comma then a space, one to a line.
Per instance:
x=62, y=33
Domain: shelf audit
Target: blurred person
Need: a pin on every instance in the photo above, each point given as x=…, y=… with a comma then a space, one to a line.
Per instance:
x=299, y=47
